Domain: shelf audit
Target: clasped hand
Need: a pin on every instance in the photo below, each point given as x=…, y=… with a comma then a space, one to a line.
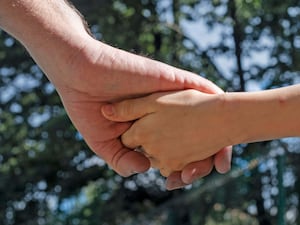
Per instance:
x=173, y=128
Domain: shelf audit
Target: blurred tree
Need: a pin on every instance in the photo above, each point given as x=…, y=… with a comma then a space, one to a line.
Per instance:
x=49, y=176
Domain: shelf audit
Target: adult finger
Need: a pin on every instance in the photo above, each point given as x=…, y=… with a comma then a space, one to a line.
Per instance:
x=174, y=181
x=123, y=160
x=196, y=170
x=200, y=83
x=222, y=160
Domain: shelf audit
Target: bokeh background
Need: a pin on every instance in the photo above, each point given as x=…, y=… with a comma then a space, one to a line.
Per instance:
x=49, y=176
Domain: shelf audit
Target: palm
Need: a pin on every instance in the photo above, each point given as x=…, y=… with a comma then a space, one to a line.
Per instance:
x=101, y=134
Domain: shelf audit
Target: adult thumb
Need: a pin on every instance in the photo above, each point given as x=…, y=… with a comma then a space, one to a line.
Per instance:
x=126, y=110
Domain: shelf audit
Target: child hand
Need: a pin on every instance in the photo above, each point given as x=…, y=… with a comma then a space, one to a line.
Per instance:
x=174, y=128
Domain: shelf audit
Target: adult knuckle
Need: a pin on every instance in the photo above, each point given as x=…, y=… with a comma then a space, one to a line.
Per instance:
x=205, y=167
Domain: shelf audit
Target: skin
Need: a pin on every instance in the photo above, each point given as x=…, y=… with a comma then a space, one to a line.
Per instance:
x=177, y=128
x=88, y=74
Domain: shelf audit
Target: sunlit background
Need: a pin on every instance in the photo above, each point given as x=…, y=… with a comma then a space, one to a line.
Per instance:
x=49, y=176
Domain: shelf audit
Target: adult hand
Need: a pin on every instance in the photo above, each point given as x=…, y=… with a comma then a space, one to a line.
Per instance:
x=174, y=128
x=114, y=75
x=88, y=73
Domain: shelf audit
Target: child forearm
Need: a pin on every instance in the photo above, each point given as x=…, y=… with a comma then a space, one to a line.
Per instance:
x=264, y=115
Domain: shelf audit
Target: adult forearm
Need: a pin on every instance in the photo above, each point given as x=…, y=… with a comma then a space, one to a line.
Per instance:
x=51, y=31
x=265, y=115
x=32, y=21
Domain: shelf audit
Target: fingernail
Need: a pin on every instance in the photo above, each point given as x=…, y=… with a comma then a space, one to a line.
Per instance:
x=128, y=173
x=192, y=177
x=134, y=172
x=108, y=110
x=226, y=164
x=173, y=185
x=225, y=168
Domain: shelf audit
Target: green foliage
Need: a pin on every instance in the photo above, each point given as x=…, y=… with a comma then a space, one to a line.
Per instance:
x=49, y=176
